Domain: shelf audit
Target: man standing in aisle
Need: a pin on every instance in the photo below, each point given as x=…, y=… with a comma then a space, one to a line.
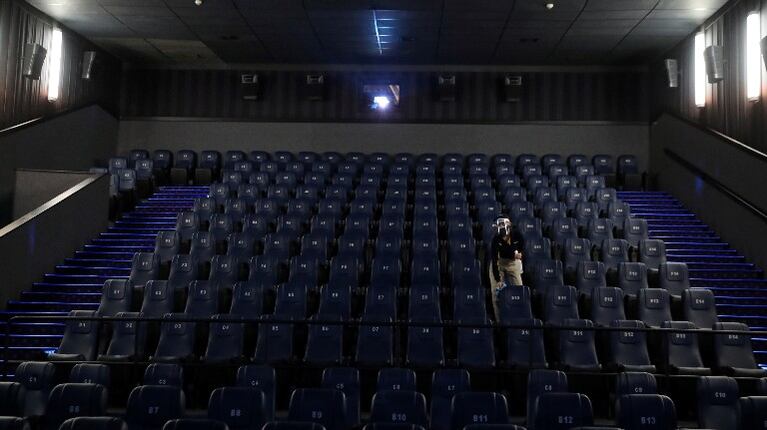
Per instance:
x=506, y=253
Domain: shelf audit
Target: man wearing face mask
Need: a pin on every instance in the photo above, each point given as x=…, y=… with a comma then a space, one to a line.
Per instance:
x=506, y=253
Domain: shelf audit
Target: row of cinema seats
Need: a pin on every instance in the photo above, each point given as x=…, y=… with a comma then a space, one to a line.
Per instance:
x=186, y=166
x=298, y=291
x=338, y=403
x=677, y=347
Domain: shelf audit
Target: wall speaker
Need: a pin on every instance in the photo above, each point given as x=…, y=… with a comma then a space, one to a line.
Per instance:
x=512, y=88
x=672, y=72
x=250, y=86
x=314, y=87
x=89, y=59
x=446, y=88
x=764, y=51
x=714, y=57
x=32, y=60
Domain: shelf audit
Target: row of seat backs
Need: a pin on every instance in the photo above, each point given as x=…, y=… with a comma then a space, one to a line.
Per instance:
x=603, y=163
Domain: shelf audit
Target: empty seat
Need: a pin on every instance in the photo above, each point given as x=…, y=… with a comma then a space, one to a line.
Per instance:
x=627, y=349
x=158, y=299
x=163, y=374
x=560, y=304
x=537, y=250
x=151, y=406
x=632, y=277
x=445, y=384
x=240, y=408
x=574, y=252
x=224, y=271
x=399, y=406
x=598, y=230
x=324, y=345
x=187, y=223
x=396, y=378
x=590, y=275
x=145, y=266
x=546, y=275
x=375, y=344
x=89, y=373
x=478, y=407
x=732, y=352
x=652, y=253
x=183, y=270
x=93, y=423
x=128, y=339
x=203, y=247
x=607, y=306
x=116, y=297
x=381, y=304
x=556, y=411
x=176, y=339
x=635, y=230
x=203, y=299
x=614, y=252
x=12, y=396
x=674, y=277
x=194, y=424
x=681, y=350
x=646, y=411
x=37, y=378
x=541, y=381
x=753, y=412
x=576, y=346
x=247, y=300
x=525, y=346
x=291, y=300
x=225, y=341
x=425, y=346
x=514, y=302
x=476, y=347
x=653, y=306
x=80, y=341
x=321, y=405
x=275, y=343
x=718, y=398
x=627, y=383
x=347, y=380
x=74, y=400
x=335, y=300
x=167, y=245
x=262, y=378
x=699, y=307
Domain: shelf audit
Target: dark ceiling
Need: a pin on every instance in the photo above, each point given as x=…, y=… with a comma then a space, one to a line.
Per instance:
x=383, y=31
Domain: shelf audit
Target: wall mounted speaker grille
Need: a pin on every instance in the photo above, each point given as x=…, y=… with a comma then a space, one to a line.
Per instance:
x=714, y=56
x=672, y=72
x=250, y=86
x=314, y=87
x=512, y=88
x=446, y=88
x=32, y=60
x=89, y=59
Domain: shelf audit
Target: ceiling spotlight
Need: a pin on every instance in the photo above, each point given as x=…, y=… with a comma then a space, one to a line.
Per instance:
x=198, y=2
x=549, y=5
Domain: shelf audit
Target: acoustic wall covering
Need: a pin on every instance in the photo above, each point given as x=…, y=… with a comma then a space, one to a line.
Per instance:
x=596, y=94
x=727, y=108
x=23, y=99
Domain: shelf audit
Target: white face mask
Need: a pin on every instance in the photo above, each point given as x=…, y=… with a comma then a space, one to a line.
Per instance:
x=503, y=226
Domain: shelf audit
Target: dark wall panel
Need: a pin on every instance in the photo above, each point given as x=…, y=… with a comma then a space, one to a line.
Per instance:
x=612, y=95
x=22, y=99
x=727, y=109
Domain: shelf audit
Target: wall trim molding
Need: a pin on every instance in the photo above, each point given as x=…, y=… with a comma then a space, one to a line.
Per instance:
x=366, y=121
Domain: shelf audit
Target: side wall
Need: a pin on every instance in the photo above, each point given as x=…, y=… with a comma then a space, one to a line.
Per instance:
x=727, y=109
x=734, y=168
x=74, y=141
x=562, y=138
x=23, y=99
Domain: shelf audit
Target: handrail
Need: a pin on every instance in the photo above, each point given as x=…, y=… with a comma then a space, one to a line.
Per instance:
x=753, y=152
x=737, y=198
x=45, y=118
x=29, y=216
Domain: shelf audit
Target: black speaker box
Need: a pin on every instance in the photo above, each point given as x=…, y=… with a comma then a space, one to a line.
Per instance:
x=32, y=60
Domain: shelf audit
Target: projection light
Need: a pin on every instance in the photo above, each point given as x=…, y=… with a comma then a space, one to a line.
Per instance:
x=55, y=67
x=381, y=97
x=753, y=57
x=700, y=70
x=381, y=102
x=549, y=5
